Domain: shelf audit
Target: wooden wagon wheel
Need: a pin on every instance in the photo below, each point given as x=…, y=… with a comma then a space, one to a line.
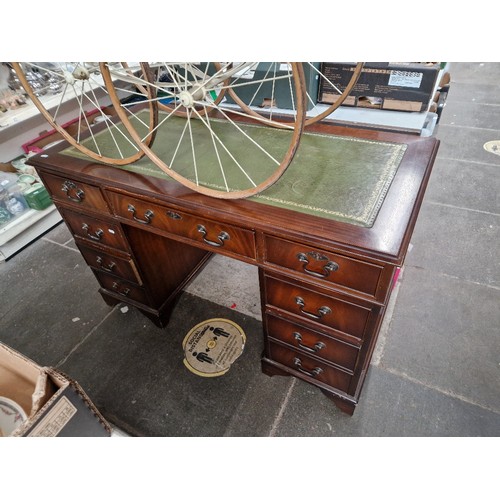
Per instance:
x=55, y=87
x=259, y=98
x=215, y=150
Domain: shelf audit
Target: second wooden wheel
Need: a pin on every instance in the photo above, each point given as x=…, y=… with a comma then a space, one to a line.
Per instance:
x=217, y=150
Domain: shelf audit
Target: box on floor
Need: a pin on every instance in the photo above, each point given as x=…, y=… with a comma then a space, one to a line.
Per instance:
x=54, y=404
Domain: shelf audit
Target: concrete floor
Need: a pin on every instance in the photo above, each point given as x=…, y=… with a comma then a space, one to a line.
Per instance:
x=436, y=369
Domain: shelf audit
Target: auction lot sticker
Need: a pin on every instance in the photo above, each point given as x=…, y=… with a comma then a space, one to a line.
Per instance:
x=211, y=347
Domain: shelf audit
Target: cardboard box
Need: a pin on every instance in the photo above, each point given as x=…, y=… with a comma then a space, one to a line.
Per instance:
x=55, y=404
x=384, y=85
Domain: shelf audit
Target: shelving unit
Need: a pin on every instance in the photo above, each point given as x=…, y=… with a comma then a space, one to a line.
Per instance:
x=17, y=127
x=26, y=228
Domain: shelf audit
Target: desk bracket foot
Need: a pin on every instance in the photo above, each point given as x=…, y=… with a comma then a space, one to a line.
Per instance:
x=271, y=368
x=159, y=318
x=342, y=404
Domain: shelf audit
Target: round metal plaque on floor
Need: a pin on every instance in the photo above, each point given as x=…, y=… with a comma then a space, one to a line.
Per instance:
x=211, y=347
x=493, y=147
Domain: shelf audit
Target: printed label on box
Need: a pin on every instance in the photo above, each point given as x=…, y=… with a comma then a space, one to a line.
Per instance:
x=411, y=79
x=55, y=419
x=247, y=72
x=286, y=67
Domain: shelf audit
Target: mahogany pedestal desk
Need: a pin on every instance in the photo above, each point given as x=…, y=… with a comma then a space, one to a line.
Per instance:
x=326, y=270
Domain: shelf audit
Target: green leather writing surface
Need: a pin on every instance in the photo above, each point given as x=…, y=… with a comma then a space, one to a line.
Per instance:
x=341, y=178
x=335, y=177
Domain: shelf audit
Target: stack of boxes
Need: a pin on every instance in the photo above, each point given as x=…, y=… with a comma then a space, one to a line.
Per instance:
x=37, y=197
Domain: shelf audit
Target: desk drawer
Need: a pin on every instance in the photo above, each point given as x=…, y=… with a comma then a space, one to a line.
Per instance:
x=324, y=266
x=212, y=235
x=123, y=288
x=313, y=369
x=333, y=311
x=75, y=192
x=311, y=342
x=96, y=230
x=121, y=267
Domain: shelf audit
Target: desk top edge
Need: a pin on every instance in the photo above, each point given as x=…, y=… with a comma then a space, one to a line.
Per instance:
x=387, y=239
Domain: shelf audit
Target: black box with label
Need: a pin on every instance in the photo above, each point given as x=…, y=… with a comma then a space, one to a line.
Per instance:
x=382, y=85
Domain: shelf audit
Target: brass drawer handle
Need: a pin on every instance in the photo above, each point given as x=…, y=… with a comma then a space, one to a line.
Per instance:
x=329, y=267
x=223, y=236
x=97, y=234
x=313, y=350
x=148, y=214
x=105, y=267
x=116, y=287
x=313, y=373
x=321, y=311
x=69, y=186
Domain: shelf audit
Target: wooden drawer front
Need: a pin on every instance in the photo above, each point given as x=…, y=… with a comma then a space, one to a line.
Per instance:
x=310, y=342
x=324, y=266
x=212, y=235
x=314, y=369
x=322, y=309
x=96, y=230
x=110, y=264
x=126, y=290
x=75, y=192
